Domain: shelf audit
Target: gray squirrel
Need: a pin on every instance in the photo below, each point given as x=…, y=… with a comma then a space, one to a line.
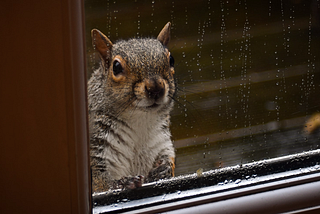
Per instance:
x=130, y=97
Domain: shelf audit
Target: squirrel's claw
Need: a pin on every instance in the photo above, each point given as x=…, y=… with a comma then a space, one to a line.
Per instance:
x=130, y=182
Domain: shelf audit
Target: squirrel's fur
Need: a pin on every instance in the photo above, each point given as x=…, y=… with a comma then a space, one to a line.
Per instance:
x=130, y=97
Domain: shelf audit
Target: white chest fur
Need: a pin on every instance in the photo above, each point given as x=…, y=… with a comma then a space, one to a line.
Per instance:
x=138, y=143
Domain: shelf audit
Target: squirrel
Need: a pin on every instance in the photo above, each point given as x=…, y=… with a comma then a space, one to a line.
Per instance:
x=130, y=97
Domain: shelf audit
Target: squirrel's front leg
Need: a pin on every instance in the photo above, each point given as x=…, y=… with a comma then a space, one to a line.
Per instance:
x=100, y=178
x=163, y=168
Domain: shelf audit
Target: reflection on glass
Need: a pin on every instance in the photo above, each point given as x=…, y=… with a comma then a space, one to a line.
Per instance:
x=247, y=73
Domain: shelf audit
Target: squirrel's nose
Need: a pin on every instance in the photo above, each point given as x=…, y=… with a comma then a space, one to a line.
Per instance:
x=154, y=88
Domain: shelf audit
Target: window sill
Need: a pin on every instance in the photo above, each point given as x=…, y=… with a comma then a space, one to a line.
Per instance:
x=293, y=185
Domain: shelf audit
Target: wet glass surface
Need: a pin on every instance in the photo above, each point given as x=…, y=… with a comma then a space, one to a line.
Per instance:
x=247, y=73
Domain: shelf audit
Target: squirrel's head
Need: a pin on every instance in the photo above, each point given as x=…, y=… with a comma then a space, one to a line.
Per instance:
x=139, y=72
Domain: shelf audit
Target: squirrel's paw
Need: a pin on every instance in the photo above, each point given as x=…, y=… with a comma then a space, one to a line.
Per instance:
x=129, y=182
x=164, y=168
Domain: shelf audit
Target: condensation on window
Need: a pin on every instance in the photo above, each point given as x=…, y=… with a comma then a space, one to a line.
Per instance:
x=248, y=74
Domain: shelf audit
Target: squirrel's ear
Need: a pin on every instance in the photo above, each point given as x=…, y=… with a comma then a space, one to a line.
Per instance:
x=101, y=43
x=164, y=35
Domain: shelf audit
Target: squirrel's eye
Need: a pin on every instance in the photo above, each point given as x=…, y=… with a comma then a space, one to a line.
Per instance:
x=171, y=61
x=117, y=68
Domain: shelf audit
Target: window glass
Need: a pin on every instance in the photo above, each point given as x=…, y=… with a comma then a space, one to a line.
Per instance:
x=247, y=73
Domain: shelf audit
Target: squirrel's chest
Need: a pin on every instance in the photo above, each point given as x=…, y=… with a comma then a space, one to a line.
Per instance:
x=142, y=142
x=145, y=132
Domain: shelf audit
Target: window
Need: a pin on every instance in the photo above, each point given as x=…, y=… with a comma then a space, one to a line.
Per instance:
x=247, y=111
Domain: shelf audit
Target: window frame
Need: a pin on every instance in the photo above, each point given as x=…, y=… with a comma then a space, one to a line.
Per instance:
x=44, y=142
x=63, y=183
